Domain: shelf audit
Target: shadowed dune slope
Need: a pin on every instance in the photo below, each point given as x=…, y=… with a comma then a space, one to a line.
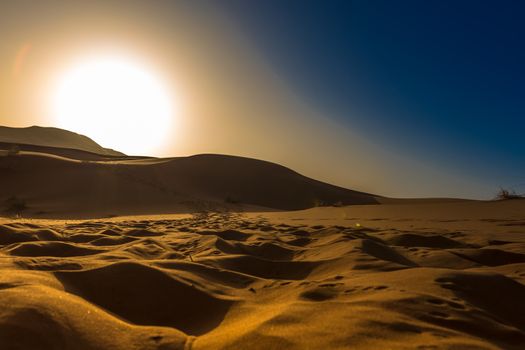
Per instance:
x=246, y=180
x=147, y=296
x=58, y=186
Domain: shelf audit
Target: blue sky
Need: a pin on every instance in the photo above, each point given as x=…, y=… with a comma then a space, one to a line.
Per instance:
x=439, y=81
x=401, y=98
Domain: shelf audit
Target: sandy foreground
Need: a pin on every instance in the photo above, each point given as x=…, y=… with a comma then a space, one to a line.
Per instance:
x=415, y=275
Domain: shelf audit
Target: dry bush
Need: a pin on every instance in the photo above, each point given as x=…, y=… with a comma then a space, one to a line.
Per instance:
x=505, y=194
x=15, y=205
x=13, y=150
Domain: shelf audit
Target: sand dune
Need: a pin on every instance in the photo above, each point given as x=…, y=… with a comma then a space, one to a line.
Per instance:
x=52, y=137
x=71, y=184
x=360, y=277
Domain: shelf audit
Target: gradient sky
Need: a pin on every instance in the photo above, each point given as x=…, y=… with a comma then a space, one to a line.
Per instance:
x=401, y=98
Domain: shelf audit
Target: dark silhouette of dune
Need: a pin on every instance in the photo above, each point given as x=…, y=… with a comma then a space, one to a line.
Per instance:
x=48, y=181
x=245, y=180
x=53, y=137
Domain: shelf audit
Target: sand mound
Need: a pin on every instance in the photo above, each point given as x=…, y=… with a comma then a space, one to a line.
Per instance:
x=434, y=241
x=209, y=274
x=254, y=266
x=229, y=235
x=51, y=249
x=10, y=235
x=273, y=251
x=384, y=252
x=147, y=296
x=147, y=249
x=105, y=241
x=43, y=318
x=490, y=257
x=480, y=289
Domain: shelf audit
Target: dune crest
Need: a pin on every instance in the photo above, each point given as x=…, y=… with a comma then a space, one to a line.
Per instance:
x=53, y=137
x=91, y=186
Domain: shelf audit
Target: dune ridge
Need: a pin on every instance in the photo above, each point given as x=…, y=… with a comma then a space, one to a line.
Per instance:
x=53, y=137
x=56, y=186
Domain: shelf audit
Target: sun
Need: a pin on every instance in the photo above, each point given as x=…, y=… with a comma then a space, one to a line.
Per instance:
x=115, y=101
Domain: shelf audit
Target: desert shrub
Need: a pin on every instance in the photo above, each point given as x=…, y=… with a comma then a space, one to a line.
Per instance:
x=318, y=203
x=13, y=150
x=231, y=200
x=14, y=204
x=504, y=194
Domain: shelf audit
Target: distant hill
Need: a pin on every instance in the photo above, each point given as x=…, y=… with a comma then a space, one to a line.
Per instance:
x=53, y=137
x=52, y=182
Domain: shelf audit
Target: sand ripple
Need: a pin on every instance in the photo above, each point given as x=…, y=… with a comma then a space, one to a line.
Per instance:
x=226, y=281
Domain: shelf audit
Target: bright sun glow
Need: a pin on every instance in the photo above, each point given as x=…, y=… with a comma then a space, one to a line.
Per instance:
x=116, y=102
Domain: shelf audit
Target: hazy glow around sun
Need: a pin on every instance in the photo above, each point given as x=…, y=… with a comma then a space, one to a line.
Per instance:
x=114, y=101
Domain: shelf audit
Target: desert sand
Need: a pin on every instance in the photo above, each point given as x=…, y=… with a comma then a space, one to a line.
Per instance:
x=245, y=254
x=402, y=275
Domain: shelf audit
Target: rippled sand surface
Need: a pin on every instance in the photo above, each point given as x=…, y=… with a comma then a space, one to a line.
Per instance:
x=419, y=276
